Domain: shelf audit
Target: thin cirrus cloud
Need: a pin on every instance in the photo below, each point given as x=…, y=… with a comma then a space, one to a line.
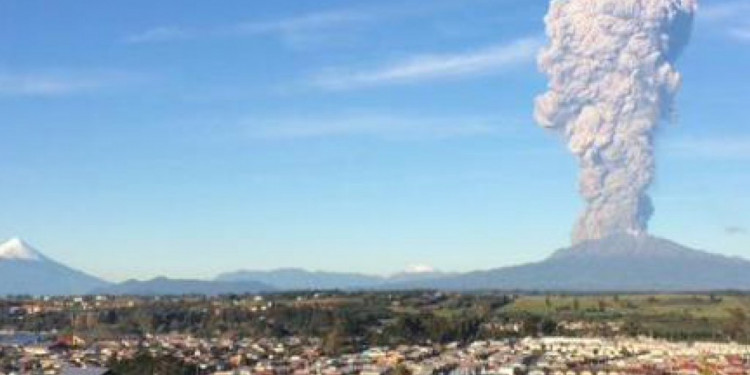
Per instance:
x=160, y=34
x=432, y=67
x=720, y=11
x=735, y=230
x=290, y=29
x=59, y=83
x=320, y=25
x=730, y=17
x=741, y=33
x=721, y=148
x=371, y=125
x=312, y=21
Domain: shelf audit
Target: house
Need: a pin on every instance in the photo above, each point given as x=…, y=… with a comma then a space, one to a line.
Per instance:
x=68, y=370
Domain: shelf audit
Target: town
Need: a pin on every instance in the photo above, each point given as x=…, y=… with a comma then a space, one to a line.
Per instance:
x=534, y=356
x=332, y=333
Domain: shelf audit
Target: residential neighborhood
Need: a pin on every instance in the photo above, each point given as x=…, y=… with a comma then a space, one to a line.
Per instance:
x=298, y=356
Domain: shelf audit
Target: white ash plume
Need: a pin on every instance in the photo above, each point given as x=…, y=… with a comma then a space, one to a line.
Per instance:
x=611, y=82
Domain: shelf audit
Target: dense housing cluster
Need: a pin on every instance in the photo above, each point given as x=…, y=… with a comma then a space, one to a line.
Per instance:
x=336, y=333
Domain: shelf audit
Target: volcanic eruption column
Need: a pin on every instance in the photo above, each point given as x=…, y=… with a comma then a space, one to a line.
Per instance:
x=611, y=82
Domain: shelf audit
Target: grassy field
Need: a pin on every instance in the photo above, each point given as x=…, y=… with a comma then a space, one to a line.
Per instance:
x=677, y=316
x=696, y=306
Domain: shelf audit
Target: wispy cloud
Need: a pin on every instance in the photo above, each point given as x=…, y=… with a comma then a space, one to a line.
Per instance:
x=290, y=29
x=325, y=24
x=59, y=83
x=730, y=17
x=372, y=125
x=724, y=10
x=303, y=23
x=735, y=230
x=741, y=33
x=160, y=34
x=431, y=67
x=726, y=148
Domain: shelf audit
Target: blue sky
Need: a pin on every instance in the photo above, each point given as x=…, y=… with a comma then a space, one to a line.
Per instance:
x=186, y=138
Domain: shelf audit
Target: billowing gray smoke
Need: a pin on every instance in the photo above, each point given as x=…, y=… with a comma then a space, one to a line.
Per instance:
x=611, y=82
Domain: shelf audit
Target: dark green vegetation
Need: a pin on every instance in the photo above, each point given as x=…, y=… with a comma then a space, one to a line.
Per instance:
x=147, y=364
x=350, y=321
x=673, y=316
x=344, y=321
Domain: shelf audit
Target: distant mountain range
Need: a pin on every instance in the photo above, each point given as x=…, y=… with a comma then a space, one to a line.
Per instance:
x=25, y=270
x=300, y=279
x=165, y=286
x=618, y=263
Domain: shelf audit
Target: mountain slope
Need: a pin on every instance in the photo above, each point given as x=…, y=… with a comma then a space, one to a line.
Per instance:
x=617, y=263
x=165, y=286
x=24, y=270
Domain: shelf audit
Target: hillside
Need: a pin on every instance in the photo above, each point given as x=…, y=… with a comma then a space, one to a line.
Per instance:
x=617, y=263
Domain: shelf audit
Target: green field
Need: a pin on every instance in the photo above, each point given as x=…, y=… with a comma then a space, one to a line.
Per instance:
x=697, y=306
x=683, y=316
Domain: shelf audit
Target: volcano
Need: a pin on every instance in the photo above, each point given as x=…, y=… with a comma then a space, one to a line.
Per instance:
x=26, y=271
x=616, y=263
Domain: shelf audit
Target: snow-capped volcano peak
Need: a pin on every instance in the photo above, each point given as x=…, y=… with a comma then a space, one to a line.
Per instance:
x=419, y=268
x=16, y=249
